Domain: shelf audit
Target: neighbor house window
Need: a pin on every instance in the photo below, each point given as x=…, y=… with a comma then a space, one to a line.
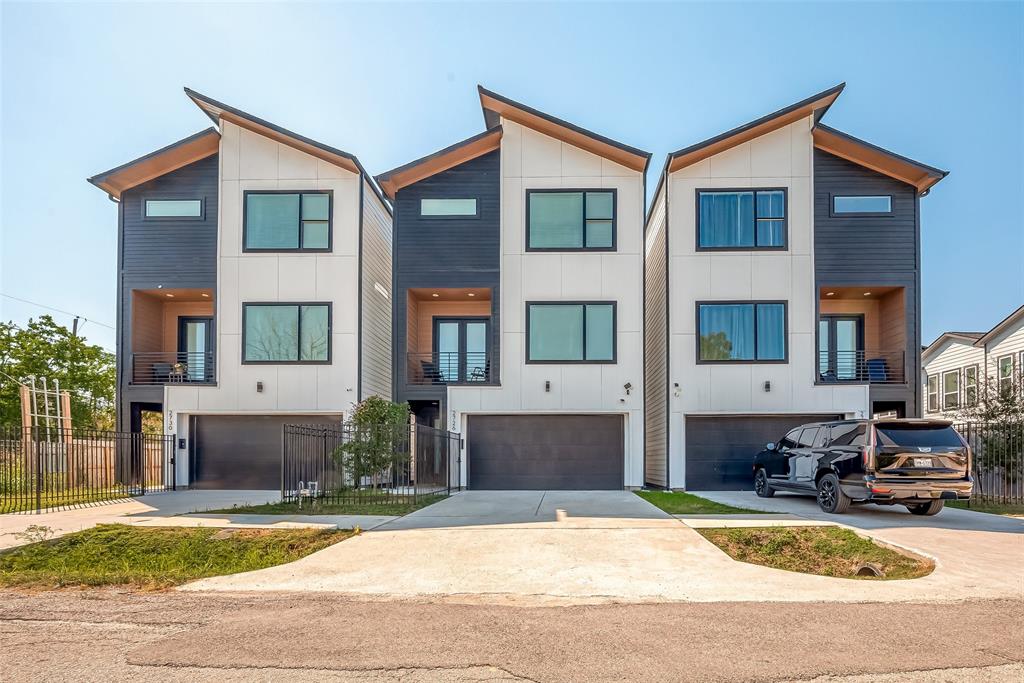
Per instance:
x=741, y=219
x=863, y=205
x=951, y=389
x=576, y=332
x=570, y=220
x=286, y=333
x=971, y=385
x=448, y=207
x=287, y=221
x=1004, y=375
x=744, y=332
x=933, y=393
x=174, y=208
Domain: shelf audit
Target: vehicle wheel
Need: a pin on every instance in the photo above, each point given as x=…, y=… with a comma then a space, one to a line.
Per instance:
x=761, y=486
x=926, y=509
x=831, y=498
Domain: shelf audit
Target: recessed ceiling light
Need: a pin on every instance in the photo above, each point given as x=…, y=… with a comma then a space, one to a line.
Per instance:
x=471, y=294
x=169, y=295
x=867, y=293
x=435, y=295
x=830, y=293
x=206, y=295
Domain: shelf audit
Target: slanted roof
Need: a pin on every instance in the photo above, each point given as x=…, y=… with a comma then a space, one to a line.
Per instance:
x=172, y=157
x=496, y=106
x=840, y=144
x=965, y=338
x=1001, y=326
x=815, y=104
x=394, y=180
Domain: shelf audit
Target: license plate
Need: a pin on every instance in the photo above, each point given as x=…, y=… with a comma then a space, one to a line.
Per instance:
x=922, y=462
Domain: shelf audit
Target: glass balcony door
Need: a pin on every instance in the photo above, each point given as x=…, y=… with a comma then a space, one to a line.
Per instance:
x=840, y=347
x=461, y=349
x=195, y=341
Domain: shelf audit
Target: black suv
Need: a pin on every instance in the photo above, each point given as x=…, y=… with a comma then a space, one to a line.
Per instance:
x=917, y=463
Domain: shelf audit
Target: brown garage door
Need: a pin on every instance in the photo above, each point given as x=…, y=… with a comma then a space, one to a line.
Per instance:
x=534, y=452
x=720, y=449
x=241, y=451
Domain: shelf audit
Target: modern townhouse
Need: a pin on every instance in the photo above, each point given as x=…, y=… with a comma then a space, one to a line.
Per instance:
x=958, y=365
x=517, y=307
x=254, y=275
x=782, y=286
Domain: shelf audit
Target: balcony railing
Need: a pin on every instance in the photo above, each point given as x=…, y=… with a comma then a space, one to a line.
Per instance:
x=170, y=367
x=453, y=367
x=862, y=367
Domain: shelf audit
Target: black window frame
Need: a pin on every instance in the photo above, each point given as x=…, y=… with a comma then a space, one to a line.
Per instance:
x=584, y=190
x=720, y=190
x=175, y=198
x=298, y=305
x=740, y=361
x=449, y=216
x=858, y=214
x=300, y=249
x=615, y=333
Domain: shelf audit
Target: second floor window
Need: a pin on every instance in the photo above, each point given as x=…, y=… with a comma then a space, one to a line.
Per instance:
x=933, y=393
x=951, y=389
x=576, y=332
x=971, y=385
x=287, y=221
x=741, y=219
x=1004, y=375
x=741, y=332
x=286, y=333
x=570, y=220
x=448, y=207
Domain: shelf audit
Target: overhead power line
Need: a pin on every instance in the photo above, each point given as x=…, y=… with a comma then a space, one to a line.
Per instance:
x=57, y=310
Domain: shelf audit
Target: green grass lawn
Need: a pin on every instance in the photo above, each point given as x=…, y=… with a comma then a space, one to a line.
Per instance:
x=66, y=498
x=371, y=504
x=680, y=503
x=988, y=506
x=828, y=551
x=155, y=557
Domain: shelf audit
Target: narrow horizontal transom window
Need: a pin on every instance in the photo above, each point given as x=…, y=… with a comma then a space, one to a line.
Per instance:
x=570, y=220
x=570, y=332
x=862, y=204
x=174, y=208
x=286, y=333
x=287, y=221
x=742, y=332
x=448, y=207
x=741, y=219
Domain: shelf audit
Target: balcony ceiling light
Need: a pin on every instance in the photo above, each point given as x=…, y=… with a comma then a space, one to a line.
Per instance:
x=830, y=293
x=168, y=295
x=867, y=293
x=435, y=295
x=471, y=294
x=205, y=295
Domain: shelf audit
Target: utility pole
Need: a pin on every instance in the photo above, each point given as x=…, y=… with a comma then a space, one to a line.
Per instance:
x=74, y=327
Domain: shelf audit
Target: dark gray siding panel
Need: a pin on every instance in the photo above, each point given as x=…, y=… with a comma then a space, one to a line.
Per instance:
x=376, y=309
x=656, y=361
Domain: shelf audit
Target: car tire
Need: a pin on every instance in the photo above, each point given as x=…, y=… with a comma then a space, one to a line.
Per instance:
x=761, y=486
x=831, y=498
x=928, y=509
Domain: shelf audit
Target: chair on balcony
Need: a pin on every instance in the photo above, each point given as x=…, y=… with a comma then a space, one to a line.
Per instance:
x=431, y=375
x=162, y=372
x=878, y=370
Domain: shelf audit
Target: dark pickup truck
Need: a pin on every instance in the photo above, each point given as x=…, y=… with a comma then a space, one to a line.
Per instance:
x=917, y=463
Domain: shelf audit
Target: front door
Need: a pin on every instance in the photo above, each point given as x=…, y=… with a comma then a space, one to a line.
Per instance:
x=195, y=338
x=461, y=348
x=840, y=347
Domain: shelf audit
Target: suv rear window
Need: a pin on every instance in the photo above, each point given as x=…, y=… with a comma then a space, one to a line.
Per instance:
x=914, y=436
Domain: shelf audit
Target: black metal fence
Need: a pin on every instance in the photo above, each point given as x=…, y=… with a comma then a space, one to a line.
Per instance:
x=998, y=466
x=42, y=469
x=378, y=465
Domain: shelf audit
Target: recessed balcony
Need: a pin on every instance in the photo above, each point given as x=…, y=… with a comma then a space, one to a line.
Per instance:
x=449, y=336
x=862, y=334
x=172, y=337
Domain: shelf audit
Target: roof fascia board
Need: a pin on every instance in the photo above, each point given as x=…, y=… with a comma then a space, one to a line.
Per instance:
x=155, y=164
x=1001, y=327
x=454, y=155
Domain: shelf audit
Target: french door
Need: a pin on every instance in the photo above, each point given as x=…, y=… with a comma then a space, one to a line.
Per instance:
x=840, y=347
x=461, y=349
x=195, y=342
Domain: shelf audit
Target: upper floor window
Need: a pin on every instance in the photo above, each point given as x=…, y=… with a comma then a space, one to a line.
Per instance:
x=862, y=205
x=933, y=393
x=1004, y=375
x=286, y=333
x=741, y=219
x=287, y=221
x=174, y=208
x=448, y=207
x=570, y=220
x=744, y=332
x=971, y=385
x=951, y=389
x=570, y=332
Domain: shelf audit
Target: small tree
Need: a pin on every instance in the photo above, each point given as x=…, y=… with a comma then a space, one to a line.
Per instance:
x=377, y=427
x=1000, y=443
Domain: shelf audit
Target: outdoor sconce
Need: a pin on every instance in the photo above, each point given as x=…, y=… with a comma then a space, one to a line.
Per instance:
x=675, y=389
x=767, y=386
x=627, y=386
x=259, y=387
x=547, y=386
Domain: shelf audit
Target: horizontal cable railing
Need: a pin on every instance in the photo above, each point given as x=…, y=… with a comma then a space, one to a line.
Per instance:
x=171, y=367
x=864, y=367
x=449, y=367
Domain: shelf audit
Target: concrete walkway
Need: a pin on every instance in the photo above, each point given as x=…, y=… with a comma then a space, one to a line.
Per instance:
x=490, y=546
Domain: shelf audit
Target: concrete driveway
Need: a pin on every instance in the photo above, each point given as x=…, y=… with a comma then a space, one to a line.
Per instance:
x=507, y=546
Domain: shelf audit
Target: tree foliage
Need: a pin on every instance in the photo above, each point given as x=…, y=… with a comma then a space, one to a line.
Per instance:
x=377, y=429
x=998, y=441
x=44, y=348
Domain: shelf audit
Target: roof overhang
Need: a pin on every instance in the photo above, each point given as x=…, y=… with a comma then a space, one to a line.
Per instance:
x=394, y=180
x=1002, y=326
x=496, y=107
x=170, y=158
x=815, y=105
x=965, y=338
x=844, y=146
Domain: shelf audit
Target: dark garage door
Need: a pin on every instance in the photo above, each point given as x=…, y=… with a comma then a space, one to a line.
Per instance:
x=721, y=449
x=533, y=452
x=241, y=451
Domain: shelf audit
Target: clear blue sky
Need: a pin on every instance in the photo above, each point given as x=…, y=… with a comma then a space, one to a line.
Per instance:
x=88, y=87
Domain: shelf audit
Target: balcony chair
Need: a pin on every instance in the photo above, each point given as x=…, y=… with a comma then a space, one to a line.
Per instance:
x=878, y=370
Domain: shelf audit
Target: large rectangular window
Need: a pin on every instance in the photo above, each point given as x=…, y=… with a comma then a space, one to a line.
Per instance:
x=933, y=393
x=287, y=221
x=570, y=332
x=741, y=219
x=448, y=207
x=861, y=205
x=741, y=332
x=174, y=208
x=971, y=385
x=570, y=220
x=951, y=390
x=286, y=333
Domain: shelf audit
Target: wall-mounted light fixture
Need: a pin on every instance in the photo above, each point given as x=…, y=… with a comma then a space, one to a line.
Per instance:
x=676, y=391
x=547, y=386
x=259, y=387
x=627, y=386
x=767, y=386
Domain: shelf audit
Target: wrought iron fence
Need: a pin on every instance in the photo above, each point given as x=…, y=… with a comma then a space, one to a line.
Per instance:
x=43, y=469
x=377, y=465
x=998, y=465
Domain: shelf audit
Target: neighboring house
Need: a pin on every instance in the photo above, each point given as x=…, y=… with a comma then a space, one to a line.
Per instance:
x=254, y=275
x=956, y=364
x=782, y=286
x=517, y=300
